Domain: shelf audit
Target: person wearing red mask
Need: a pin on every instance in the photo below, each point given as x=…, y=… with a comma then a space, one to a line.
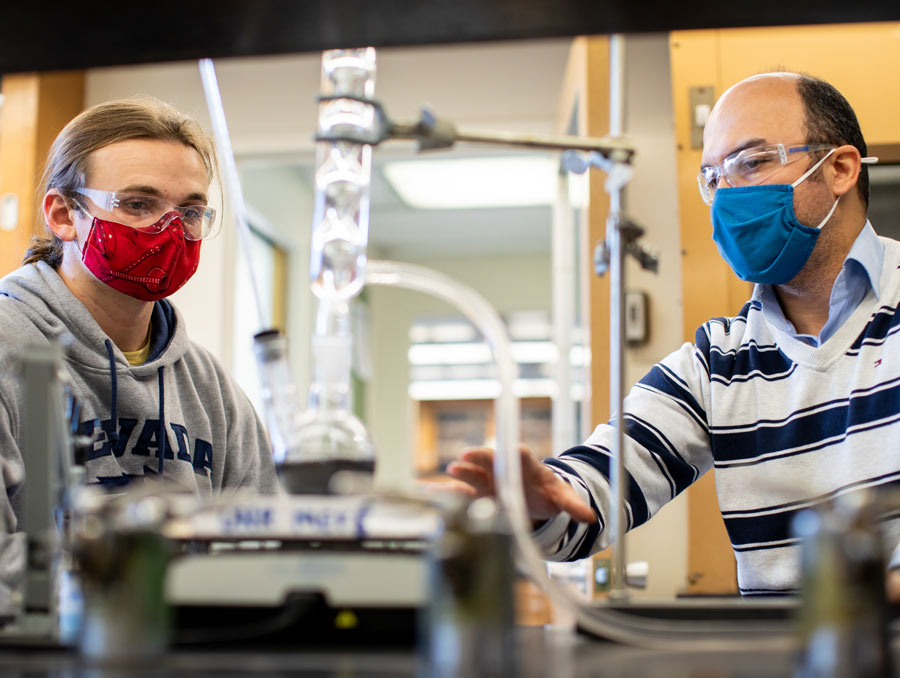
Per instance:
x=125, y=194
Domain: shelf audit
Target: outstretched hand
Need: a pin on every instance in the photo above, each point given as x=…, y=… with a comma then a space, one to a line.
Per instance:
x=546, y=494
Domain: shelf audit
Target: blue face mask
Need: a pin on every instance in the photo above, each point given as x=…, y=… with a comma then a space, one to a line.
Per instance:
x=758, y=234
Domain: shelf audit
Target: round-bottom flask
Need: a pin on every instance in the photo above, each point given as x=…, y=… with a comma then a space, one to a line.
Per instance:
x=316, y=446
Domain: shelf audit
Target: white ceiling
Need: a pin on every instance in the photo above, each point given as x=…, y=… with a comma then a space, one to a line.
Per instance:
x=399, y=231
x=501, y=86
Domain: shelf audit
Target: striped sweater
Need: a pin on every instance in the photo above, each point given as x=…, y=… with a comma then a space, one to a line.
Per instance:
x=785, y=425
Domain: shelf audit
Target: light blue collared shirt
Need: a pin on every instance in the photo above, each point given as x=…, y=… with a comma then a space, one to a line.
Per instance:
x=861, y=271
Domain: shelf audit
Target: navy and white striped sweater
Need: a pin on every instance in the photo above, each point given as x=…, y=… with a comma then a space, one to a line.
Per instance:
x=785, y=425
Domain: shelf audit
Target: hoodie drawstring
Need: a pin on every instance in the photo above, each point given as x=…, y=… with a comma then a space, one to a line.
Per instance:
x=161, y=431
x=113, y=434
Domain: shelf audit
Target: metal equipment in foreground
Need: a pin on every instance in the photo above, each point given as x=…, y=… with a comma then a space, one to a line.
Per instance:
x=48, y=455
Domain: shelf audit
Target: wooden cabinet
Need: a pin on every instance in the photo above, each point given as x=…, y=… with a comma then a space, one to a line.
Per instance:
x=36, y=106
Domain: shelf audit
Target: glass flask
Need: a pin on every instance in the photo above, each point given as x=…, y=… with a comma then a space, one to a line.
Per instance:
x=312, y=447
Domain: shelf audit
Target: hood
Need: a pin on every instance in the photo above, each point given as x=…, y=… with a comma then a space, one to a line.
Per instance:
x=54, y=311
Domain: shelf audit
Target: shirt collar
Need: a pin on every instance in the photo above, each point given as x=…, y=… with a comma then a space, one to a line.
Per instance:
x=867, y=257
x=868, y=252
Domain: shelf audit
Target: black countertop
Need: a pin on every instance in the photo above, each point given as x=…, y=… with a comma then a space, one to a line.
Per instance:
x=550, y=653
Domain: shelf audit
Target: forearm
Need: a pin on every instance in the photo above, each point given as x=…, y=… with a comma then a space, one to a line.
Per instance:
x=563, y=539
x=666, y=449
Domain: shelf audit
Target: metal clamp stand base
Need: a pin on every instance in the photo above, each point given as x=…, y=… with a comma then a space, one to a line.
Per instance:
x=621, y=239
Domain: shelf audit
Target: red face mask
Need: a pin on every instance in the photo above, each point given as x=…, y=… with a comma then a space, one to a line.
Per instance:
x=146, y=266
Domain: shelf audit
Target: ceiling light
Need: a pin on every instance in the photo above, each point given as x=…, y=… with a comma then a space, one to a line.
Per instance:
x=460, y=183
x=478, y=353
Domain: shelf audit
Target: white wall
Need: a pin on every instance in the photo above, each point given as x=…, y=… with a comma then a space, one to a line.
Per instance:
x=282, y=209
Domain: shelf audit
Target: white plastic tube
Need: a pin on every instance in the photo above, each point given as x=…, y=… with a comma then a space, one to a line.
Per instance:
x=681, y=635
x=486, y=319
x=231, y=176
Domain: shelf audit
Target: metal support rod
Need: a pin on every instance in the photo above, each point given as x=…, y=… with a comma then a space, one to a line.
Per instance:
x=616, y=250
x=564, y=283
x=46, y=453
x=607, y=147
x=433, y=133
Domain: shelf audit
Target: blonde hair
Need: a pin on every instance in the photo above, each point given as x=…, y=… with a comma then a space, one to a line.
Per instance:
x=68, y=161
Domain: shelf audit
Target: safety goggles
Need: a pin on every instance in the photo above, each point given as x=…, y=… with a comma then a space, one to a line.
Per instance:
x=153, y=214
x=751, y=166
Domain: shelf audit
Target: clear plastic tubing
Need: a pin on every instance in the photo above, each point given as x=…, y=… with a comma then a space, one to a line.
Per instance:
x=680, y=635
x=485, y=317
x=340, y=232
x=230, y=171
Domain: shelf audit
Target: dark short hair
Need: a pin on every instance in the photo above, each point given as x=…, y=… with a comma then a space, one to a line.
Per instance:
x=830, y=119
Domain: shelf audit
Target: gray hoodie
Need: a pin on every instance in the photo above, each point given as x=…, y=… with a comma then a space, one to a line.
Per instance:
x=181, y=396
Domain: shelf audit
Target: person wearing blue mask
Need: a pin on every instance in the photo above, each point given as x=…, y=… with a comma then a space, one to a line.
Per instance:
x=791, y=400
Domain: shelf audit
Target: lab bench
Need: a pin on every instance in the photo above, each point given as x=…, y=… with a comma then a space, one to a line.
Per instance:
x=542, y=652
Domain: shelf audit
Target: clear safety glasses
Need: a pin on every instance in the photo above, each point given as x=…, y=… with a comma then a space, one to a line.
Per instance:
x=152, y=214
x=751, y=166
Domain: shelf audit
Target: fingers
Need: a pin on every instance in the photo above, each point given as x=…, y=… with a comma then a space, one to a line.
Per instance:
x=567, y=499
x=546, y=494
x=482, y=456
x=485, y=456
x=473, y=474
x=524, y=450
x=448, y=485
x=892, y=586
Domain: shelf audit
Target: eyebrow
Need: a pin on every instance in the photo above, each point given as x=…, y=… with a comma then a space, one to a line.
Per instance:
x=151, y=190
x=749, y=143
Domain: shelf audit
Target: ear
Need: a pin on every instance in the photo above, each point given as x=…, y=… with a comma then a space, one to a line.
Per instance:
x=58, y=215
x=846, y=166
